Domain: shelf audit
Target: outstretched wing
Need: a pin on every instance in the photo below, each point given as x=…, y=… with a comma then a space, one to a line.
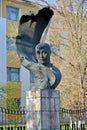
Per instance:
x=31, y=27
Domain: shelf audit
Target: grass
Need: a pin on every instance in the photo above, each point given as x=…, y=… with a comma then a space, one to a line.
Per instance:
x=15, y=127
x=12, y=127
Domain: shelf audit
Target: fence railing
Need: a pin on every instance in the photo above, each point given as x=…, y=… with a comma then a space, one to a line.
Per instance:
x=16, y=120
x=67, y=115
x=73, y=119
x=73, y=127
x=11, y=119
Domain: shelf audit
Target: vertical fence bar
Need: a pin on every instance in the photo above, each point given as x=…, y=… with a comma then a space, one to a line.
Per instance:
x=1, y=122
x=82, y=127
x=65, y=127
x=2, y=117
x=5, y=118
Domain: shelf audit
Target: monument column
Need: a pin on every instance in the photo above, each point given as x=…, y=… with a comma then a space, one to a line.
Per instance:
x=43, y=109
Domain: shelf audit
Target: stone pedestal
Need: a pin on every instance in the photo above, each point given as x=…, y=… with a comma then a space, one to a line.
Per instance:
x=42, y=110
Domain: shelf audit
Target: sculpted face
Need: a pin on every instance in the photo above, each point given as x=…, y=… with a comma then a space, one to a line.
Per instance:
x=43, y=53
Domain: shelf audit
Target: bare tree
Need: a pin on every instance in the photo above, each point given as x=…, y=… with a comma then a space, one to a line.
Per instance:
x=68, y=35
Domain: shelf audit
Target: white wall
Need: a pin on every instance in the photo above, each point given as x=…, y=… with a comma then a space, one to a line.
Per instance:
x=25, y=84
x=3, y=73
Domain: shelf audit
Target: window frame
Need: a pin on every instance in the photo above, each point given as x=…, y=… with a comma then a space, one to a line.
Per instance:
x=9, y=16
x=11, y=74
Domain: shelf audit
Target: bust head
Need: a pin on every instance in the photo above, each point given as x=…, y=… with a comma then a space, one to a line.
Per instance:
x=43, y=52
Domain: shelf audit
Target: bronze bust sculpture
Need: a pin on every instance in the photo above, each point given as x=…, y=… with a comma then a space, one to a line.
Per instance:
x=35, y=56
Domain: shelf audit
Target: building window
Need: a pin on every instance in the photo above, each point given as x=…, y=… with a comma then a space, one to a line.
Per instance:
x=13, y=74
x=0, y=8
x=12, y=13
x=11, y=43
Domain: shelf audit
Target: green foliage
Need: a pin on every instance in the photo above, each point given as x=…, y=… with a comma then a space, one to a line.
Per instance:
x=11, y=104
x=9, y=95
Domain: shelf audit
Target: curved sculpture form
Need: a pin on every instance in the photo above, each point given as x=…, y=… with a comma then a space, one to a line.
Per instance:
x=35, y=56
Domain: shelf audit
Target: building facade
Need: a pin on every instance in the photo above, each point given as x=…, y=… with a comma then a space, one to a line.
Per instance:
x=12, y=75
x=15, y=76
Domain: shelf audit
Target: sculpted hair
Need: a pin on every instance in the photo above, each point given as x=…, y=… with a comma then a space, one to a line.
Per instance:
x=43, y=45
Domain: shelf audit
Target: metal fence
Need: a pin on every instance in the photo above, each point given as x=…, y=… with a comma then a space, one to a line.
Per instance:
x=69, y=119
x=11, y=119
x=73, y=119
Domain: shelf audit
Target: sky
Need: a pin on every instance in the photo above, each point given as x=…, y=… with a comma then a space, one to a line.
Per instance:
x=53, y=3
x=43, y=2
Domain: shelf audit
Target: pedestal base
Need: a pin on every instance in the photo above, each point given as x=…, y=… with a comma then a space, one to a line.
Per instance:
x=42, y=110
